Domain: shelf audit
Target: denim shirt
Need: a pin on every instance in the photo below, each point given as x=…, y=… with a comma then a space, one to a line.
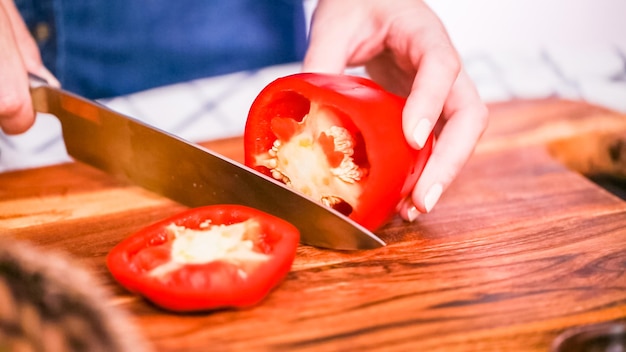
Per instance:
x=101, y=49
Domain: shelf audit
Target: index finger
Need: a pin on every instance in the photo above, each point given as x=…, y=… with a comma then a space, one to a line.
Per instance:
x=16, y=111
x=467, y=118
x=437, y=71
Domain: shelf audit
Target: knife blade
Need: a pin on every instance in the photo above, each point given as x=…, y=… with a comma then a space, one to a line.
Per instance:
x=190, y=174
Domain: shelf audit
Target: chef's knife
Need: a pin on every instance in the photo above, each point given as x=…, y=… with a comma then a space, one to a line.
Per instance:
x=185, y=172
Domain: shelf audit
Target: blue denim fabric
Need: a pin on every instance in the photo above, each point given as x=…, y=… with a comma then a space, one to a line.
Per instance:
x=115, y=47
x=40, y=12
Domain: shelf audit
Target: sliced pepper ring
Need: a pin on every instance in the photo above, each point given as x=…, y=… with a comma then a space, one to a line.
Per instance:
x=227, y=256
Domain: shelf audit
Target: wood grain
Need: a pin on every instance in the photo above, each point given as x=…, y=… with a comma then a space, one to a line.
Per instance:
x=519, y=249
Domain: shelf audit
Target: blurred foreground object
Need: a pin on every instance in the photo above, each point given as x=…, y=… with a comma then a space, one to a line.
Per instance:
x=50, y=303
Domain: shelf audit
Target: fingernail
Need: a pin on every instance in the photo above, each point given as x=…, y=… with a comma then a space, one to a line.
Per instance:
x=412, y=213
x=432, y=196
x=421, y=132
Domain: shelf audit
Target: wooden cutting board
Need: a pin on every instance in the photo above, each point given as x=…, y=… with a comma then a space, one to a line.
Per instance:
x=520, y=248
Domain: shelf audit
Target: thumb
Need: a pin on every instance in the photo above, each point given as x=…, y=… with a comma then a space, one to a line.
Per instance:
x=329, y=42
x=324, y=55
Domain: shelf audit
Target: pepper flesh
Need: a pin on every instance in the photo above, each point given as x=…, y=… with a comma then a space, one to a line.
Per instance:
x=315, y=157
x=230, y=243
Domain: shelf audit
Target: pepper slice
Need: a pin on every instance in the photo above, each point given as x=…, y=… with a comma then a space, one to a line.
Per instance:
x=337, y=139
x=205, y=258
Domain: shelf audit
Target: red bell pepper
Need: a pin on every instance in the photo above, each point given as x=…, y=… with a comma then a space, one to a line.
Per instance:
x=205, y=258
x=337, y=139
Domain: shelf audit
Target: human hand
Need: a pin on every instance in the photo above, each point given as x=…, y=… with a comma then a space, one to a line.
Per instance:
x=405, y=48
x=18, y=56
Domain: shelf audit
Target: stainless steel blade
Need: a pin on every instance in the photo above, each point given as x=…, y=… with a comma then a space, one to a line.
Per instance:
x=188, y=173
